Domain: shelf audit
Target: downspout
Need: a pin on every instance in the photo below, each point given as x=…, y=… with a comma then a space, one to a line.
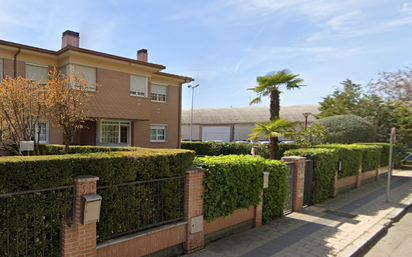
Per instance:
x=15, y=63
x=179, y=118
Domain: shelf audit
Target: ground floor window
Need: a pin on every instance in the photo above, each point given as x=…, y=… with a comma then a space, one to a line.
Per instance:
x=115, y=132
x=158, y=133
x=43, y=128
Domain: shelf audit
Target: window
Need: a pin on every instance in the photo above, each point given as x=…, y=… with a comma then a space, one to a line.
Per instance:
x=159, y=93
x=89, y=73
x=138, y=85
x=43, y=128
x=37, y=73
x=115, y=132
x=158, y=133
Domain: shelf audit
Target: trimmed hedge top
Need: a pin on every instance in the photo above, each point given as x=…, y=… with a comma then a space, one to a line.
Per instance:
x=37, y=172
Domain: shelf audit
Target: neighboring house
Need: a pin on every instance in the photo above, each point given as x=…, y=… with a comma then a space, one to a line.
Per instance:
x=136, y=105
x=235, y=124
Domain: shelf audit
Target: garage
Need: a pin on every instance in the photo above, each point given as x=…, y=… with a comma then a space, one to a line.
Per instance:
x=210, y=133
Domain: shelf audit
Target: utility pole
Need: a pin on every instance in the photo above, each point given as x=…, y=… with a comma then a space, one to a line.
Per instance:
x=191, y=114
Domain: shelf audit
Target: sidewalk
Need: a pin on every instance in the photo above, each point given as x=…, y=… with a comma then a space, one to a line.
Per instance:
x=342, y=226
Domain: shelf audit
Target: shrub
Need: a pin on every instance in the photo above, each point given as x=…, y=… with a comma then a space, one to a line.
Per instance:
x=324, y=169
x=213, y=148
x=235, y=182
x=371, y=156
x=347, y=129
x=275, y=196
x=349, y=156
x=384, y=159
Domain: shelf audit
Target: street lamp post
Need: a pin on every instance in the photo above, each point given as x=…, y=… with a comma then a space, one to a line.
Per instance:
x=306, y=115
x=191, y=114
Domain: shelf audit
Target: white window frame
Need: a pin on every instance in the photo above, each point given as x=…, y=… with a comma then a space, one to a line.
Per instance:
x=157, y=95
x=119, y=123
x=47, y=132
x=157, y=128
x=71, y=66
x=139, y=93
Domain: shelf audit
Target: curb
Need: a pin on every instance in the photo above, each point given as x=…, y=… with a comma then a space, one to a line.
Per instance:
x=361, y=245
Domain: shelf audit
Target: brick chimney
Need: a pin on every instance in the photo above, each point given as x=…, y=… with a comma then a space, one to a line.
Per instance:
x=70, y=38
x=142, y=55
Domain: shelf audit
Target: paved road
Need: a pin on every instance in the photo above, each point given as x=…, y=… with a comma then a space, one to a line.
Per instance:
x=398, y=241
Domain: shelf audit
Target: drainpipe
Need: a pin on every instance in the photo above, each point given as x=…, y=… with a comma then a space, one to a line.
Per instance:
x=15, y=63
x=179, y=118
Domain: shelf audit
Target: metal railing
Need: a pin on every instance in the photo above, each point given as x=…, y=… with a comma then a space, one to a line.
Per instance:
x=135, y=206
x=31, y=221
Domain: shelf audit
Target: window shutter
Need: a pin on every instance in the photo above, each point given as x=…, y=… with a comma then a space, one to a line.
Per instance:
x=37, y=72
x=138, y=84
x=88, y=72
x=158, y=89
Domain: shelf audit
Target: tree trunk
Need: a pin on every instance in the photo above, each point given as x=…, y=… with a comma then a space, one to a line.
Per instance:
x=274, y=148
x=274, y=104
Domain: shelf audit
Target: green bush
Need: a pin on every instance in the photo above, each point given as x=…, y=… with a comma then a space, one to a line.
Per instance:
x=50, y=149
x=235, y=182
x=349, y=156
x=214, y=148
x=38, y=172
x=371, y=156
x=324, y=169
x=384, y=153
x=348, y=129
x=275, y=196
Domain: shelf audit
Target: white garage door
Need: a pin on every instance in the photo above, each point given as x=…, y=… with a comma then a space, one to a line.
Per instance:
x=216, y=133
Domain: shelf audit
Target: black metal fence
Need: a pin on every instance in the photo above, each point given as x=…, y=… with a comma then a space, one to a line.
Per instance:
x=135, y=206
x=290, y=182
x=31, y=221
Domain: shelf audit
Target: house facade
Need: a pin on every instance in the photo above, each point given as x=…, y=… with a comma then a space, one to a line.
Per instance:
x=235, y=124
x=136, y=105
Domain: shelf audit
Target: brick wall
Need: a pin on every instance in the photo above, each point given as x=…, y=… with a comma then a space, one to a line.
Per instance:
x=8, y=68
x=237, y=217
x=145, y=244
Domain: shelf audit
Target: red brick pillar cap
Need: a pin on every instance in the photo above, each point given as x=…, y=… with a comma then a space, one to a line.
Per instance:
x=293, y=158
x=194, y=169
x=85, y=178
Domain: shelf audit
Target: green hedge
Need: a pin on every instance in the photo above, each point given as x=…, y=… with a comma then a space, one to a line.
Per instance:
x=214, y=148
x=275, y=196
x=350, y=157
x=38, y=172
x=235, y=182
x=325, y=167
x=371, y=156
x=50, y=149
x=384, y=152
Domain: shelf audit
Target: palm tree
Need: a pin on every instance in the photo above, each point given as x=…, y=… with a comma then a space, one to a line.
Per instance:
x=272, y=130
x=270, y=85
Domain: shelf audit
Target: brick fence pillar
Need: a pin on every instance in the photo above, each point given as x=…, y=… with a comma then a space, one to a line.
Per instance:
x=299, y=180
x=194, y=210
x=78, y=239
x=257, y=213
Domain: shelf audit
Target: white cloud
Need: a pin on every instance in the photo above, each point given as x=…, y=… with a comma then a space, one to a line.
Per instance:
x=405, y=8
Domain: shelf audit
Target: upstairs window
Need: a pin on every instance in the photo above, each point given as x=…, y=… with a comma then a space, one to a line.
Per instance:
x=159, y=93
x=138, y=86
x=158, y=133
x=89, y=74
x=37, y=73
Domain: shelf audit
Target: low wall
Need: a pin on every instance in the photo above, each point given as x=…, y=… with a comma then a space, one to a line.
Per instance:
x=145, y=243
x=240, y=220
x=348, y=183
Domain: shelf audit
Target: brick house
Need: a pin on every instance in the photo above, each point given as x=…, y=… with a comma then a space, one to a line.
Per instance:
x=136, y=105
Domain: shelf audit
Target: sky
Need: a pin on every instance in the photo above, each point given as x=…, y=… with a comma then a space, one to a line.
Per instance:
x=224, y=45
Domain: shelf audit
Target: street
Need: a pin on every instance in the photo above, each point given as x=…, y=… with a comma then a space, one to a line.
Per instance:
x=397, y=242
